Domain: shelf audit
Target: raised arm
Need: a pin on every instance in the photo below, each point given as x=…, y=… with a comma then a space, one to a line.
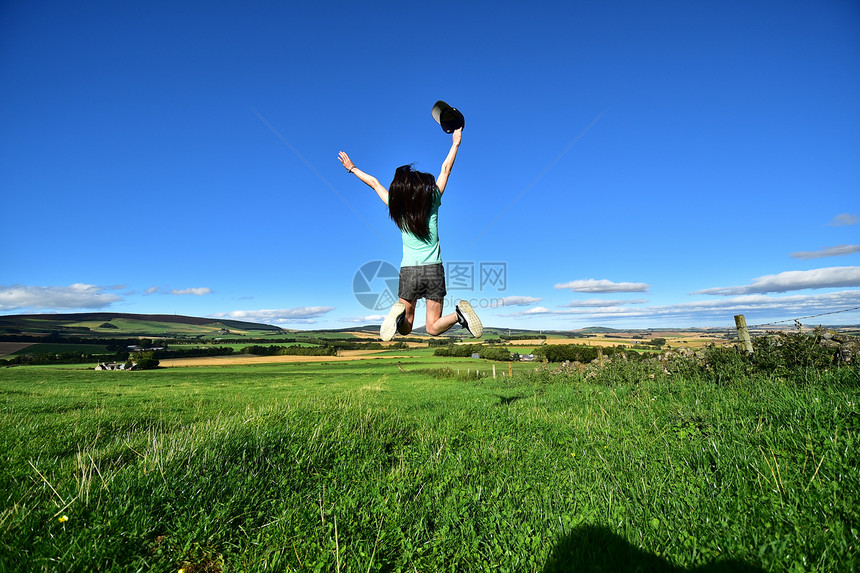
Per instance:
x=368, y=179
x=448, y=164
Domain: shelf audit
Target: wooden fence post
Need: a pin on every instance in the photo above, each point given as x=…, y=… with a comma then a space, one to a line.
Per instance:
x=743, y=332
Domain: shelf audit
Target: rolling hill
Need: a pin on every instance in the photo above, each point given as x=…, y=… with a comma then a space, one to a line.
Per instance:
x=107, y=324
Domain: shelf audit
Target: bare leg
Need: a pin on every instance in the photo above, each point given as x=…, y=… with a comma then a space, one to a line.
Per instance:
x=436, y=323
x=398, y=320
x=406, y=328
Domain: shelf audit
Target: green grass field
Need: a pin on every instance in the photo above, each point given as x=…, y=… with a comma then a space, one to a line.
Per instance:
x=402, y=465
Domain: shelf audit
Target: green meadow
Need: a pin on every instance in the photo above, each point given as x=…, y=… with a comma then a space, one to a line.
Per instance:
x=416, y=464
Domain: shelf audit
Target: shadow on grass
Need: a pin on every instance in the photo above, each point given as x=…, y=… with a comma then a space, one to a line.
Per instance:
x=504, y=400
x=591, y=548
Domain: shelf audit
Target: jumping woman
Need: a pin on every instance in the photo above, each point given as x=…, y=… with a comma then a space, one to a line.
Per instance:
x=413, y=200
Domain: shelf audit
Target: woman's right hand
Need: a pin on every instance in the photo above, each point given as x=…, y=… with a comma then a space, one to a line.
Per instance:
x=345, y=161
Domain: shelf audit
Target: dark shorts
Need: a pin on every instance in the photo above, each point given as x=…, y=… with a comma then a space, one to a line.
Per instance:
x=425, y=281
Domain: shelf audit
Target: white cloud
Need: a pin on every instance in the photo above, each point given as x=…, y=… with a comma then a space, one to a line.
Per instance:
x=602, y=286
x=544, y=311
x=830, y=277
x=305, y=314
x=843, y=219
x=152, y=290
x=715, y=311
x=519, y=300
x=827, y=252
x=56, y=297
x=599, y=303
x=199, y=291
x=533, y=311
x=370, y=319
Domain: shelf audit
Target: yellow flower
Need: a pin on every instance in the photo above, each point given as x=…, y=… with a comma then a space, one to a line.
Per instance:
x=63, y=518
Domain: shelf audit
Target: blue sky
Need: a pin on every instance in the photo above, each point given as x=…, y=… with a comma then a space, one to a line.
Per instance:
x=624, y=164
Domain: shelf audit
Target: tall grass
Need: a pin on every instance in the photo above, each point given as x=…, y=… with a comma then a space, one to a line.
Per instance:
x=390, y=466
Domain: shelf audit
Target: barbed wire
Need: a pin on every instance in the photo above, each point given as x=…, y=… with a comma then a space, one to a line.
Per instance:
x=732, y=333
x=803, y=317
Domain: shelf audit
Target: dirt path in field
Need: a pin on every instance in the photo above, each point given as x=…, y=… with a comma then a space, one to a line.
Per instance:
x=345, y=355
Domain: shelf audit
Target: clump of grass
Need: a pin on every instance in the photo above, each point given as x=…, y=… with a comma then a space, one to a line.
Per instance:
x=460, y=375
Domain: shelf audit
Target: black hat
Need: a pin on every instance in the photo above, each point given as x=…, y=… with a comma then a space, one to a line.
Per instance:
x=448, y=117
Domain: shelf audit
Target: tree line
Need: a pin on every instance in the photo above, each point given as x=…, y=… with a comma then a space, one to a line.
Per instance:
x=549, y=352
x=467, y=350
x=580, y=352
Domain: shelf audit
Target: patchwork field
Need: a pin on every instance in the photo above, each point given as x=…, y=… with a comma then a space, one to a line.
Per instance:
x=8, y=348
x=675, y=339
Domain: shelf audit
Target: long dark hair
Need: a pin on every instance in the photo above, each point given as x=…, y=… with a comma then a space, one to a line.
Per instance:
x=410, y=198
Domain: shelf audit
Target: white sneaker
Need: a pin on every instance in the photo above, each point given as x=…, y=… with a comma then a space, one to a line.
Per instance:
x=389, y=325
x=468, y=319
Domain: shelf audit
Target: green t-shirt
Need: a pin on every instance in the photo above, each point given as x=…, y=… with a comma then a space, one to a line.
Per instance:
x=418, y=252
